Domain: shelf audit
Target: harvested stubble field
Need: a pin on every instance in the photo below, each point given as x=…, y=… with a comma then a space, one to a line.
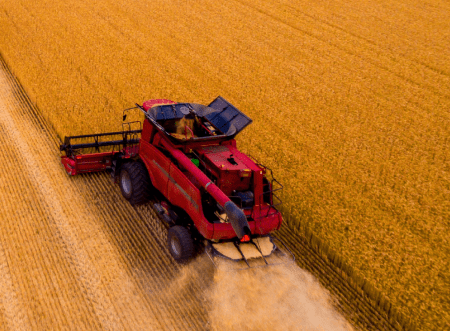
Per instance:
x=350, y=102
x=73, y=255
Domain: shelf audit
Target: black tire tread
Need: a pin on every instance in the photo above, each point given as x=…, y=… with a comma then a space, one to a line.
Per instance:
x=187, y=244
x=140, y=182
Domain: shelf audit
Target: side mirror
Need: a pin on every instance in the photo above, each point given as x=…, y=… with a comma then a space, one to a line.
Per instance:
x=124, y=117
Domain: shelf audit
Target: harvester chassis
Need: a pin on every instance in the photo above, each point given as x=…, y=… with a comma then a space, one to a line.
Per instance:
x=153, y=164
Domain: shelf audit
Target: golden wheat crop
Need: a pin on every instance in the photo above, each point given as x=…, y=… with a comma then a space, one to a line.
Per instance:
x=350, y=102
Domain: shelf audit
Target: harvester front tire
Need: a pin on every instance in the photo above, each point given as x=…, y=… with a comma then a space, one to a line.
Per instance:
x=180, y=243
x=134, y=182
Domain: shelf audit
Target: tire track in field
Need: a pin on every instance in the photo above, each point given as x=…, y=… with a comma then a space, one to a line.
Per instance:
x=84, y=267
x=45, y=249
x=14, y=317
x=37, y=256
x=27, y=261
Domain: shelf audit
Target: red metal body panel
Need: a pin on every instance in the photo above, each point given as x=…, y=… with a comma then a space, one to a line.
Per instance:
x=229, y=175
x=147, y=131
x=150, y=103
x=94, y=162
x=69, y=165
x=158, y=166
x=267, y=219
x=225, y=230
x=262, y=225
x=131, y=151
x=87, y=162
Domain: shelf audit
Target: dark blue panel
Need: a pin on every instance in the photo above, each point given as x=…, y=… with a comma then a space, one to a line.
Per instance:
x=169, y=112
x=228, y=116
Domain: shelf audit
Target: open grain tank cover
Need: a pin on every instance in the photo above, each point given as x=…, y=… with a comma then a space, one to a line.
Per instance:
x=223, y=115
x=226, y=117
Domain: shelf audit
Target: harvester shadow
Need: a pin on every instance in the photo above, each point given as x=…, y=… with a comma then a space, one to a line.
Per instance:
x=140, y=238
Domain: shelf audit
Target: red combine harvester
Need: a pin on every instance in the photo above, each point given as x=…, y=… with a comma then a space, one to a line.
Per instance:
x=185, y=160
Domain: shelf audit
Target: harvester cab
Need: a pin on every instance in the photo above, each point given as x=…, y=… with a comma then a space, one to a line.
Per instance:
x=186, y=154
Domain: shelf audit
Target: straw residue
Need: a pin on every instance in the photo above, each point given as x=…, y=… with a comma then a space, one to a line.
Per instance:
x=282, y=297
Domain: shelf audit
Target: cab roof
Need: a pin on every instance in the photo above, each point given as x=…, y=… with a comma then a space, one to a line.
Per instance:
x=223, y=115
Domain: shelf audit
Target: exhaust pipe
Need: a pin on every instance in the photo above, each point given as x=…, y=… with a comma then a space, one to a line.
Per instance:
x=237, y=219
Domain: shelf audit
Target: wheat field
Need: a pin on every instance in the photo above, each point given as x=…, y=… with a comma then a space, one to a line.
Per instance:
x=75, y=255
x=350, y=102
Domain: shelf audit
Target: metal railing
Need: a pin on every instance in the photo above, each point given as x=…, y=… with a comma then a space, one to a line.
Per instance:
x=129, y=138
x=274, y=186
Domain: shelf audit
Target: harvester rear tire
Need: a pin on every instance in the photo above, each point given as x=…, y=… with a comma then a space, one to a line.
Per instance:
x=134, y=182
x=180, y=243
